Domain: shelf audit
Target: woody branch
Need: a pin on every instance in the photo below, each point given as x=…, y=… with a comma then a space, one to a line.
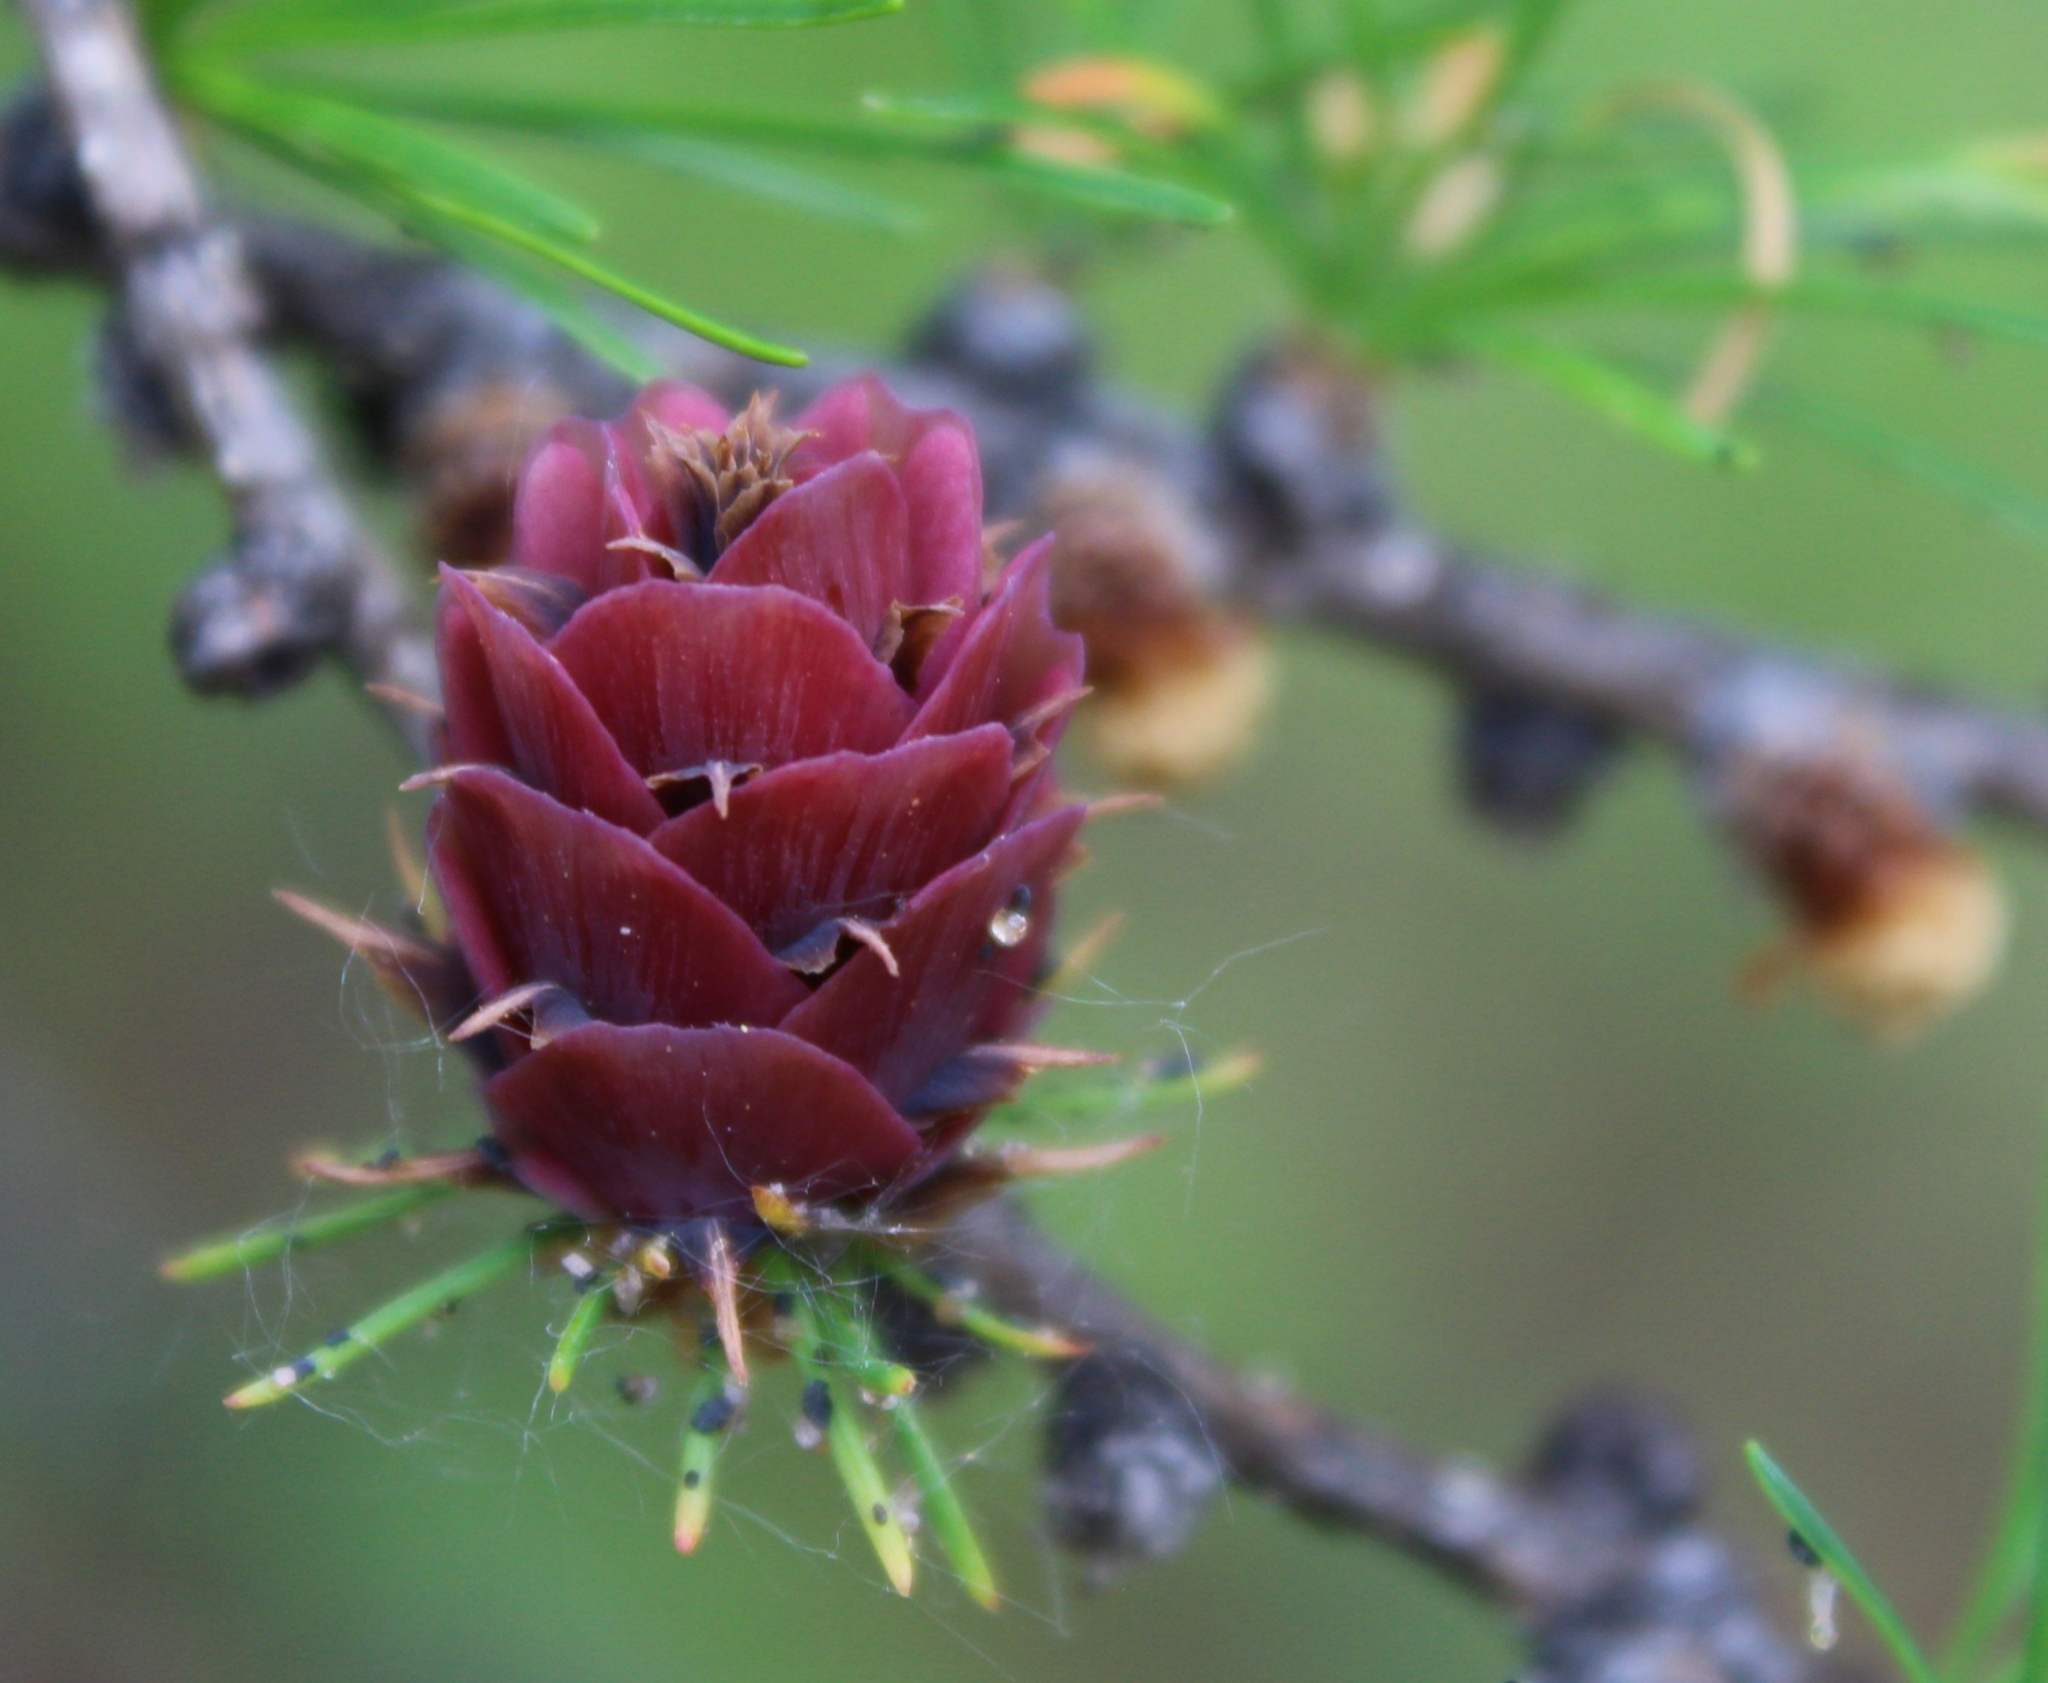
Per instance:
x=302, y=577
x=1597, y=1547
x=1285, y=487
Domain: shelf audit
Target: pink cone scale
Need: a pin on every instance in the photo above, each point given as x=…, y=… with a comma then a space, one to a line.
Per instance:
x=748, y=760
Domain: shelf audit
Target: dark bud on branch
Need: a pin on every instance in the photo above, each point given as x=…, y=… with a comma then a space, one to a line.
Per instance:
x=133, y=397
x=260, y=621
x=1129, y=1467
x=1623, y=1480
x=1618, y=1453
x=1013, y=337
x=1527, y=764
x=450, y=379
x=1296, y=439
x=1012, y=351
x=46, y=222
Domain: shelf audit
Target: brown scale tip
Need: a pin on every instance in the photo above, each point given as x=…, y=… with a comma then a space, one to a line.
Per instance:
x=1180, y=685
x=1197, y=717
x=420, y=974
x=732, y=475
x=1894, y=921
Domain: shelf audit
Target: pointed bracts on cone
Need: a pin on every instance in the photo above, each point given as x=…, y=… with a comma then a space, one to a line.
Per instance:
x=739, y=889
x=747, y=831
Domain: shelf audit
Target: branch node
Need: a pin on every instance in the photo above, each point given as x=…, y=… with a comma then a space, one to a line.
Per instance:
x=1129, y=1467
x=258, y=622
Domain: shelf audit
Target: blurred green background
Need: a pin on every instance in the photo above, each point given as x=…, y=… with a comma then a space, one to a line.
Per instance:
x=1515, y=1134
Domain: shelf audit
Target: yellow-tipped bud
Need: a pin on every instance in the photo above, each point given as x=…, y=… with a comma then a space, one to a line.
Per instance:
x=1341, y=119
x=1452, y=208
x=1064, y=146
x=1147, y=97
x=1455, y=86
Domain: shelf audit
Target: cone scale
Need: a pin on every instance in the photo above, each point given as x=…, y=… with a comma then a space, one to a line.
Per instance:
x=740, y=881
x=747, y=828
x=740, y=877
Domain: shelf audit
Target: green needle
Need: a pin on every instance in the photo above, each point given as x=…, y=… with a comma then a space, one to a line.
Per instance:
x=345, y=1348
x=232, y=1253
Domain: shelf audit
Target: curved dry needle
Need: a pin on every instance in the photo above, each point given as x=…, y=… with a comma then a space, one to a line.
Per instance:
x=230, y=1254
x=714, y=1406
x=395, y=958
x=583, y=1322
x=1018, y=1161
x=453, y=1168
x=721, y=1282
x=1081, y=958
x=343, y=1349
x=406, y=864
x=858, y=1470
